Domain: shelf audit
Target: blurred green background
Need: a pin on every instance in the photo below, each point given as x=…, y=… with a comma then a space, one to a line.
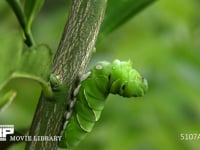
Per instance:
x=163, y=43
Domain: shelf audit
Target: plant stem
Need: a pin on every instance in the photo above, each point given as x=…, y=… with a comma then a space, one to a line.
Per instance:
x=16, y=6
x=71, y=58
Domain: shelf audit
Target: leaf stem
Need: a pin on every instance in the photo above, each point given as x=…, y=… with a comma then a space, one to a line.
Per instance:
x=17, y=8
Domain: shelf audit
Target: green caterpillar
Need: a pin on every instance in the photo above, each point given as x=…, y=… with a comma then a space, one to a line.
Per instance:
x=89, y=97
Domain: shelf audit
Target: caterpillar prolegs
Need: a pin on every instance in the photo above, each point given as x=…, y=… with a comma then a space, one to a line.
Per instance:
x=117, y=77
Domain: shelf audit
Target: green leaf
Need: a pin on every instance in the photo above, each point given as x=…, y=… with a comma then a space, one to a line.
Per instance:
x=35, y=64
x=120, y=11
x=6, y=99
x=31, y=8
x=10, y=53
x=36, y=61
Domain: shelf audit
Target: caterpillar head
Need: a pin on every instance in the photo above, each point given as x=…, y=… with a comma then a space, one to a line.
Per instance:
x=126, y=81
x=134, y=88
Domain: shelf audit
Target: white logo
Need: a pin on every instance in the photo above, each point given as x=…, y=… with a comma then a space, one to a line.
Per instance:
x=9, y=129
x=5, y=130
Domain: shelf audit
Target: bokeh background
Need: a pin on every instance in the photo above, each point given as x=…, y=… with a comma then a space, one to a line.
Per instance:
x=163, y=41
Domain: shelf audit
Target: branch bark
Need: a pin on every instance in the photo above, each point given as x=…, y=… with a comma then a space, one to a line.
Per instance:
x=71, y=59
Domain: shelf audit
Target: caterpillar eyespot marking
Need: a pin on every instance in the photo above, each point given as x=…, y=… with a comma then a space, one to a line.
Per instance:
x=99, y=67
x=118, y=77
x=123, y=86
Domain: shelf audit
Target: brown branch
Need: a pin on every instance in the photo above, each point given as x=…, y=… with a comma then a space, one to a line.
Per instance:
x=71, y=58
